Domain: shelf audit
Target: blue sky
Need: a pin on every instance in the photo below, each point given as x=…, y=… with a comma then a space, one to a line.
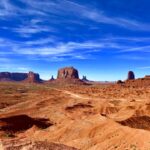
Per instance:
x=103, y=39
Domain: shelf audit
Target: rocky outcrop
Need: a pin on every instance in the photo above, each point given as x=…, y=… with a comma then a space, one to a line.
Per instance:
x=25, y=144
x=84, y=78
x=52, y=78
x=18, y=76
x=7, y=76
x=32, y=78
x=135, y=83
x=147, y=76
x=131, y=75
x=68, y=73
x=120, y=82
x=141, y=82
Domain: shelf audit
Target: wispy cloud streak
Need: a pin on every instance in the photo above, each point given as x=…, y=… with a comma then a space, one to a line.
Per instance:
x=48, y=10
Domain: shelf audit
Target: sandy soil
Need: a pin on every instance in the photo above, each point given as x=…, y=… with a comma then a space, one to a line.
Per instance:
x=95, y=117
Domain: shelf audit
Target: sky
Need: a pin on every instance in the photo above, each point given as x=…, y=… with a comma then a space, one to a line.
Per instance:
x=103, y=39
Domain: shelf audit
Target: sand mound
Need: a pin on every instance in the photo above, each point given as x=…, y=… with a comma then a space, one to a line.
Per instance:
x=108, y=110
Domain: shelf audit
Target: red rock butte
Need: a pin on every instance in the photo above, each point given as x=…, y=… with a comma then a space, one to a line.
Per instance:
x=32, y=77
x=68, y=73
x=131, y=75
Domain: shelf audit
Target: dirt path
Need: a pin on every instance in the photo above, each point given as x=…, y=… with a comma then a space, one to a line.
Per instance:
x=29, y=104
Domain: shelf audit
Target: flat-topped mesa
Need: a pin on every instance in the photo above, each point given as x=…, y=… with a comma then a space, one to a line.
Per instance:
x=7, y=76
x=33, y=78
x=18, y=76
x=68, y=73
x=30, y=77
x=131, y=75
x=147, y=77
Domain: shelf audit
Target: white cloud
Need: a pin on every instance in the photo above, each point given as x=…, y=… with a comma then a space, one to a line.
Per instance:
x=131, y=57
x=53, y=49
x=4, y=60
x=6, y=44
x=129, y=39
x=65, y=49
x=145, y=67
x=41, y=41
x=13, y=67
x=28, y=31
x=48, y=10
x=24, y=69
x=137, y=49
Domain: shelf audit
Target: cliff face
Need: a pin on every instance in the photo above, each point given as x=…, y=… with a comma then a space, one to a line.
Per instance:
x=32, y=77
x=131, y=75
x=18, y=76
x=7, y=76
x=68, y=73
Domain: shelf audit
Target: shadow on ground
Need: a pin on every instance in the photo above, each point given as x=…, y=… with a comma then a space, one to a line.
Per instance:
x=142, y=122
x=21, y=123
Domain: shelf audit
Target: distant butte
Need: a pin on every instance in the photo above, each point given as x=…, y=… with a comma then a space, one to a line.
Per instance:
x=28, y=77
x=68, y=75
x=7, y=76
x=32, y=78
x=131, y=75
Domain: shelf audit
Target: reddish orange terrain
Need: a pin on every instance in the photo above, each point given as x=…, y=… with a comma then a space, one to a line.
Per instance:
x=54, y=116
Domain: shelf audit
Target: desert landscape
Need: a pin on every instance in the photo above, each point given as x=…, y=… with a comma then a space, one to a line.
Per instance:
x=68, y=113
x=74, y=75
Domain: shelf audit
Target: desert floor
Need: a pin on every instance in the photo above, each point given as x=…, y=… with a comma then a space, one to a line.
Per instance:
x=85, y=117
